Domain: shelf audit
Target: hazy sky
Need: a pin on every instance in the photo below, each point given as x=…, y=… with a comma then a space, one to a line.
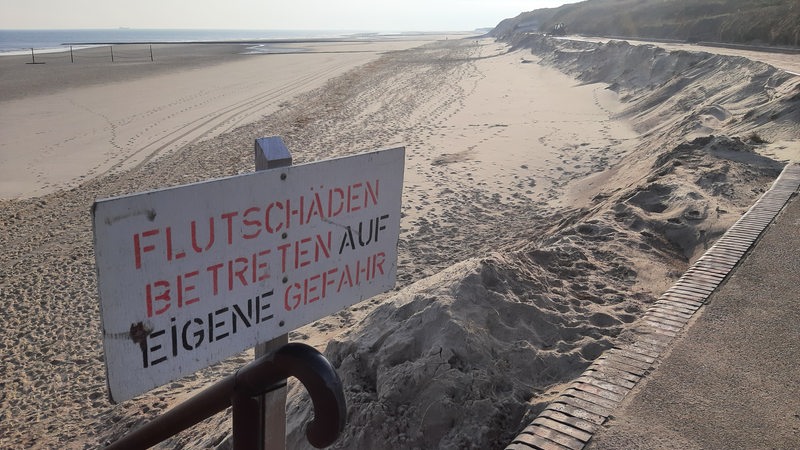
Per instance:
x=366, y=15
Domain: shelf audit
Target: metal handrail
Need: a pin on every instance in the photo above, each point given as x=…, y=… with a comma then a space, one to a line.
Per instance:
x=240, y=390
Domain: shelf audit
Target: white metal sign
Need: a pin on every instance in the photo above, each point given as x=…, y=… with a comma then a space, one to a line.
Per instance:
x=193, y=274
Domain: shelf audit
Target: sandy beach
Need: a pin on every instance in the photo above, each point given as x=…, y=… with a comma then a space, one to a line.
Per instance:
x=552, y=191
x=64, y=122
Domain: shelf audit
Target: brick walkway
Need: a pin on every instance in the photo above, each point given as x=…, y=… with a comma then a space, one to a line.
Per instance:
x=682, y=393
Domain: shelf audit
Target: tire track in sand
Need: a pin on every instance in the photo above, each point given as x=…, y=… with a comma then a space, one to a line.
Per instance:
x=223, y=119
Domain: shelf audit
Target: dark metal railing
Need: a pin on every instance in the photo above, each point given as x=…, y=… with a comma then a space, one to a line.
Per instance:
x=241, y=391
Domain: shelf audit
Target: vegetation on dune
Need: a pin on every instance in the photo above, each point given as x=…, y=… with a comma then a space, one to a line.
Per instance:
x=766, y=22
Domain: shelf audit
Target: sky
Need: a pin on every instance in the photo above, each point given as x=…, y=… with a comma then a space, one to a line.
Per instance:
x=357, y=15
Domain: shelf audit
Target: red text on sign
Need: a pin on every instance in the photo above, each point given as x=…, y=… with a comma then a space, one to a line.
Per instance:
x=333, y=281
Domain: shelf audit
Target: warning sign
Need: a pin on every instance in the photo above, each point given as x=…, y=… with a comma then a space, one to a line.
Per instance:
x=193, y=274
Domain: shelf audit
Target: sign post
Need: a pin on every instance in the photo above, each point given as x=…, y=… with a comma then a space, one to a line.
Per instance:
x=271, y=153
x=191, y=275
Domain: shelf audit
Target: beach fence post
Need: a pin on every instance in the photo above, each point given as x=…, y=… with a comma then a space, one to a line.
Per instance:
x=71, y=58
x=151, y=52
x=272, y=153
x=33, y=59
x=112, y=52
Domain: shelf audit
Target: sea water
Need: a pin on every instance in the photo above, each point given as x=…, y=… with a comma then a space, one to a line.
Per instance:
x=21, y=41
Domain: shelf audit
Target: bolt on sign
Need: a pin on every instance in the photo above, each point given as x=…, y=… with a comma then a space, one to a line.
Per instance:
x=193, y=274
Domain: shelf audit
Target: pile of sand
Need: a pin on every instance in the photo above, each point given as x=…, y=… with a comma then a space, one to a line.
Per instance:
x=462, y=359
x=677, y=95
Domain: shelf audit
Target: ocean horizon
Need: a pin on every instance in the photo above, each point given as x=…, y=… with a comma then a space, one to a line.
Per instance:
x=18, y=41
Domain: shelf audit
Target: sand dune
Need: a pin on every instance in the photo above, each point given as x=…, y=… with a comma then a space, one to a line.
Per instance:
x=512, y=326
x=549, y=198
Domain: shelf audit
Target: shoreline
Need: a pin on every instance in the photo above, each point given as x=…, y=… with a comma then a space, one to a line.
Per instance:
x=355, y=37
x=342, y=40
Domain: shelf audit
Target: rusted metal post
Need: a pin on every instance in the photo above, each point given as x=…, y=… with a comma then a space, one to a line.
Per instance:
x=203, y=405
x=246, y=418
x=272, y=153
x=239, y=389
